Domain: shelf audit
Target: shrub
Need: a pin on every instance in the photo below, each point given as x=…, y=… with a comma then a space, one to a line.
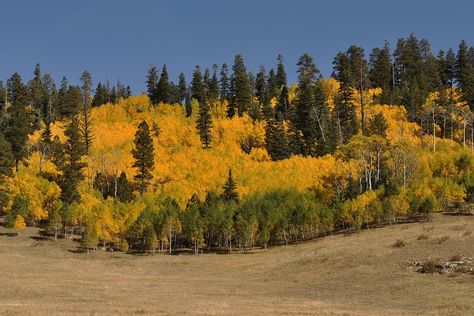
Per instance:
x=423, y=237
x=430, y=266
x=441, y=240
x=455, y=258
x=399, y=243
x=123, y=245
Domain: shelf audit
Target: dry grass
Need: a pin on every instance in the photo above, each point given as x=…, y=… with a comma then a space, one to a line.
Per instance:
x=361, y=274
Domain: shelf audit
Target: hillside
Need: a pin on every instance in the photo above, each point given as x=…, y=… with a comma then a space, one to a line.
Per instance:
x=358, y=274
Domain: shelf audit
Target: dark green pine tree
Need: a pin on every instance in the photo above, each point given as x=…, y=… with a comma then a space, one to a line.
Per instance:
x=272, y=88
x=377, y=125
x=49, y=96
x=224, y=83
x=37, y=93
x=280, y=78
x=281, y=83
x=102, y=95
x=450, y=68
x=204, y=124
x=124, y=188
x=276, y=140
x=304, y=119
x=465, y=72
x=7, y=161
x=163, y=87
x=144, y=156
x=380, y=73
x=197, y=89
x=71, y=163
x=230, y=189
x=182, y=88
x=261, y=85
x=19, y=121
x=241, y=93
x=206, y=82
x=344, y=108
x=188, y=103
x=152, y=84
x=214, y=84
x=86, y=110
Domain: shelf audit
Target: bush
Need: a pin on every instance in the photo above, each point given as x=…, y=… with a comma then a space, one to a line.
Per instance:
x=399, y=243
x=123, y=245
x=442, y=239
x=423, y=237
x=455, y=258
x=430, y=266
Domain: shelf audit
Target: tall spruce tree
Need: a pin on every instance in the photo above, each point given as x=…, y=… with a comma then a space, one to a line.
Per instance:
x=465, y=73
x=344, y=104
x=152, y=84
x=304, y=119
x=19, y=119
x=230, y=189
x=261, y=85
x=163, y=88
x=86, y=110
x=380, y=73
x=197, y=86
x=182, y=88
x=7, y=161
x=224, y=82
x=276, y=140
x=71, y=163
x=214, y=84
x=204, y=124
x=241, y=94
x=144, y=156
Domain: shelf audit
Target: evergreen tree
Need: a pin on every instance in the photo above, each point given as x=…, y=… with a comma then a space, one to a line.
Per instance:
x=71, y=163
x=182, y=88
x=380, y=74
x=206, y=83
x=163, y=87
x=230, y=189
x=188, y=103
x=7, y=161
x=241, y=94
x=344, y=105
x=124, y=188
x=465, y=73
x=214, y=84
x=377, y=126
x=224, y=83
x=204, y=124
x=19, y=121
x=260, y=85
x=152, y=85
x=197, y=88
x=36, y=95
x=280, y=78
x=86, y=110
x=304, y=119
x=144, y=156
x=272, y=87
x=276, y=140
x=102, y=95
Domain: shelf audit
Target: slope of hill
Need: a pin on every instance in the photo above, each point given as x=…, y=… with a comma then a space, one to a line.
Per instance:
x=359, y=274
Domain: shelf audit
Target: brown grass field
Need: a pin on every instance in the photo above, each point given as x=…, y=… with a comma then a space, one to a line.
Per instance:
x=359, y=274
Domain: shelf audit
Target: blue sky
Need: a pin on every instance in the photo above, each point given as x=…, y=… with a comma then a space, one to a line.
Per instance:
x=120, y=39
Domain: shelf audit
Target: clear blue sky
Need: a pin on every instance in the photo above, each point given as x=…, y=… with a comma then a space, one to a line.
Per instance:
x=121, y=39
